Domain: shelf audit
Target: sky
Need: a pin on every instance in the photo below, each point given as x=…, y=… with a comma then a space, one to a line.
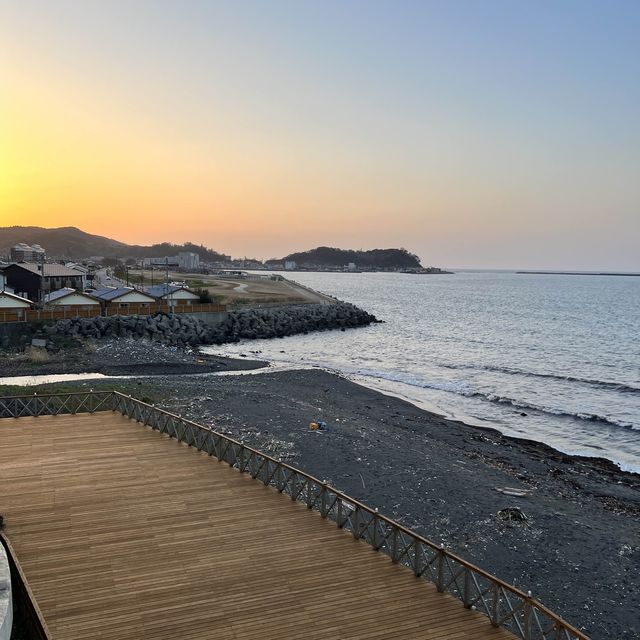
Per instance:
x=493, y=134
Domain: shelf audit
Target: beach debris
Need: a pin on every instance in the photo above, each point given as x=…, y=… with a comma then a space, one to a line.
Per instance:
x=513, y=491
x=318, y=425
x=512, y=514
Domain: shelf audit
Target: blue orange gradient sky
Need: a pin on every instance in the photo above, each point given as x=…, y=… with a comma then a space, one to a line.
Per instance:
x=483, y=134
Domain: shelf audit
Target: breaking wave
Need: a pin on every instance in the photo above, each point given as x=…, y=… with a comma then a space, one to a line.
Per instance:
x=602, y=384
x=464, y=389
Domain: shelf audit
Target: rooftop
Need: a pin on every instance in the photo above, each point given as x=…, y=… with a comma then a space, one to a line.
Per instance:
x=160, y=290
x=50, y=269
x=111, y=293
x=63, y=293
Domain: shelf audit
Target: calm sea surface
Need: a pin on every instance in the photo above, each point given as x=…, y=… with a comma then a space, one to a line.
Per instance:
x=546, y=357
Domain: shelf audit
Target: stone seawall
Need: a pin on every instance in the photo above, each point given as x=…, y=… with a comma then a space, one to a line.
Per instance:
x=183, y=329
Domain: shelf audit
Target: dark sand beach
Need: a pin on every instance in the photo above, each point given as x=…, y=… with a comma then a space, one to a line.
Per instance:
x=578, y=550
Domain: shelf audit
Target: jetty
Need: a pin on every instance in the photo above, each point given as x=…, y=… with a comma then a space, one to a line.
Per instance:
x=125, y=521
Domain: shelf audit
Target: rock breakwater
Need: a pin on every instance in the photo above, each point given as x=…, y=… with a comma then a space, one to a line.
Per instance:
x=187, y=329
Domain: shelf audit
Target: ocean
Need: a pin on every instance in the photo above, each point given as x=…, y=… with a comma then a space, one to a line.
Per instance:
x=552, y=358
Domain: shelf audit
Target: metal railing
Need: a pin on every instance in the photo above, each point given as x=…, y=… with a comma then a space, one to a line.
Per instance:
x=55, y=404
x=504, y=605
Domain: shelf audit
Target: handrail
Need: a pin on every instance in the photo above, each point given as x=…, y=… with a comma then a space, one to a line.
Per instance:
x=29, y=613
x=505, y=605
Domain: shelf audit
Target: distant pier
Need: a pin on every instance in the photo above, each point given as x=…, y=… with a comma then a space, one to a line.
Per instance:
x=577, y=273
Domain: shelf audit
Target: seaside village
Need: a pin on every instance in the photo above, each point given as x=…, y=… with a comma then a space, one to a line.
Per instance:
x=31, y=283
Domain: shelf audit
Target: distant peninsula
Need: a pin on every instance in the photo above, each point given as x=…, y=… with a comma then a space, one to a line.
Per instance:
x=330, y=258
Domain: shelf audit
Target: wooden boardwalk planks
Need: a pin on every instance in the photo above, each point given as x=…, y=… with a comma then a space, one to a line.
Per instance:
x=126, y=534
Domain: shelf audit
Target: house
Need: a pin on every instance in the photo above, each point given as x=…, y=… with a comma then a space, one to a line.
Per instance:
x=71, y=299
x=173, y=295
x=124, y=299
x=36, y=280
x=12, y=307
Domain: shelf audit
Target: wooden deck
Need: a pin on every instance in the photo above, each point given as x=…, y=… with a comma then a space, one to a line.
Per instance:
x=126, y=534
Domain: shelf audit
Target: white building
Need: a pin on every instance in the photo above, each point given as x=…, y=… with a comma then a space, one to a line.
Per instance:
x=290, y=265
x=123, y=298
x=185, y=260
x=13, y=307
x=27, y=253
x=173, y=295
x=188, y=261
x=70, y=298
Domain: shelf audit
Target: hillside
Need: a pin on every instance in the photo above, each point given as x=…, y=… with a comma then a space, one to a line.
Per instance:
x=64, y=242
x=329, y=257
x=72, y=243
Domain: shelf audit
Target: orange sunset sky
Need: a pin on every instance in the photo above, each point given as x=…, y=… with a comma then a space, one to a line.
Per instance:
x=474, y=137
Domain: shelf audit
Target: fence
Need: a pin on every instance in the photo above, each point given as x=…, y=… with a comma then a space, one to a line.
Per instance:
x=504, y=605
x=32, y=315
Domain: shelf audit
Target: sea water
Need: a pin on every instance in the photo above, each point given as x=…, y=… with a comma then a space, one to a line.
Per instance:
x=553, y=358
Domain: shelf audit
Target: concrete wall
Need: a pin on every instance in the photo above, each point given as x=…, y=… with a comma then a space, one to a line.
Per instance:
x=6, y=600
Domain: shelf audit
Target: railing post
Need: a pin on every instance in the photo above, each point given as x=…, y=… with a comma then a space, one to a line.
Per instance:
x=394, y=544
x=356, y=522
x=527, y=617
x=440, y=582
x=374, y=537
x=467, y=588
x=241, y=456
x=323, y=501
x=417, y=549
x=494, y=608
x=309, y=495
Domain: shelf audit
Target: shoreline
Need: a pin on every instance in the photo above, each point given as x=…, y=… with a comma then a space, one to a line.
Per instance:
x=165, y=361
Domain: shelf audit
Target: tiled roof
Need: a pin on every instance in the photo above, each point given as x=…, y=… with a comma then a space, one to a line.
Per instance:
x=62, y=293
x=111, y=293
x=160, y=290
x=50, y=269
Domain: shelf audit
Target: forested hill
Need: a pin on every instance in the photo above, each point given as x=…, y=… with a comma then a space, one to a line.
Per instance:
x=75, y=244
x=374, y=258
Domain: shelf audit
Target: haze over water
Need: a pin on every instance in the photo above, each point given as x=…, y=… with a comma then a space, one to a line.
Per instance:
x=546, y=357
